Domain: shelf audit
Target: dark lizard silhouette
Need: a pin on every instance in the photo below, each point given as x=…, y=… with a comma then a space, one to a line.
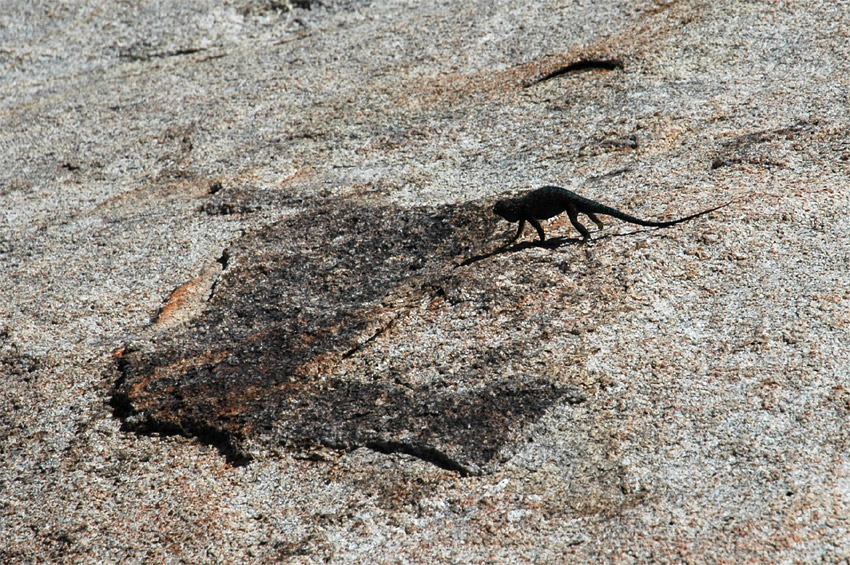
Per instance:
x=549, y=201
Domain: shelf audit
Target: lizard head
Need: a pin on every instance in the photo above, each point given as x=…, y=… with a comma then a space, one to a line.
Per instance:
x=507, y=209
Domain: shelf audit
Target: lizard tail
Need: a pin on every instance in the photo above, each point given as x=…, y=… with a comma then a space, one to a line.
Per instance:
x=692, y=216
x=650, y=223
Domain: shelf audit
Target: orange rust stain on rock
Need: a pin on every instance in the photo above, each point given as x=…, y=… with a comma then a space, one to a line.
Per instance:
x=187, y=300
x=303, y=172
x=635, y=43
x=161, y=191
x=494, y=83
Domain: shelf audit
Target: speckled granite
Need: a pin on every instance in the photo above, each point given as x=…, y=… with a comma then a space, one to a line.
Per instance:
x=695, y=380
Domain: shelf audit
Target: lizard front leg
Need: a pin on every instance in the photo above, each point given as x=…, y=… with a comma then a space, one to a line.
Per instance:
x=518, y=232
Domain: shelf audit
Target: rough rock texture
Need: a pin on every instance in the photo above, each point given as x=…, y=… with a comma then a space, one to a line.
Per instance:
x=254, y=304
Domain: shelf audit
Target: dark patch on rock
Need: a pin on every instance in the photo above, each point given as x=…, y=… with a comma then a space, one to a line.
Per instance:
x=144, y=51
x=762, y=147
x=294, y=300
x=577, y=66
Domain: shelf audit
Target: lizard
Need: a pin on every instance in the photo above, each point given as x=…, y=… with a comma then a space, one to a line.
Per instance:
x=549, y=201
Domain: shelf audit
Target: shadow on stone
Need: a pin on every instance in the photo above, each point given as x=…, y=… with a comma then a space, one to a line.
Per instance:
x=295, y=299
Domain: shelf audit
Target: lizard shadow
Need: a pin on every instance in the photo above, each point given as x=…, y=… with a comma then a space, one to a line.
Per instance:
x=551, y=243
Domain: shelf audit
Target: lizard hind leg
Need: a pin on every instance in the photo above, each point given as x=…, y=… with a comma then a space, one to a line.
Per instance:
x=595, y=220
x=538, y=227
x=577, y=225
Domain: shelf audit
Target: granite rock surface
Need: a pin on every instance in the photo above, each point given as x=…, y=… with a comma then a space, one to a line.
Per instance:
x=255, y=305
